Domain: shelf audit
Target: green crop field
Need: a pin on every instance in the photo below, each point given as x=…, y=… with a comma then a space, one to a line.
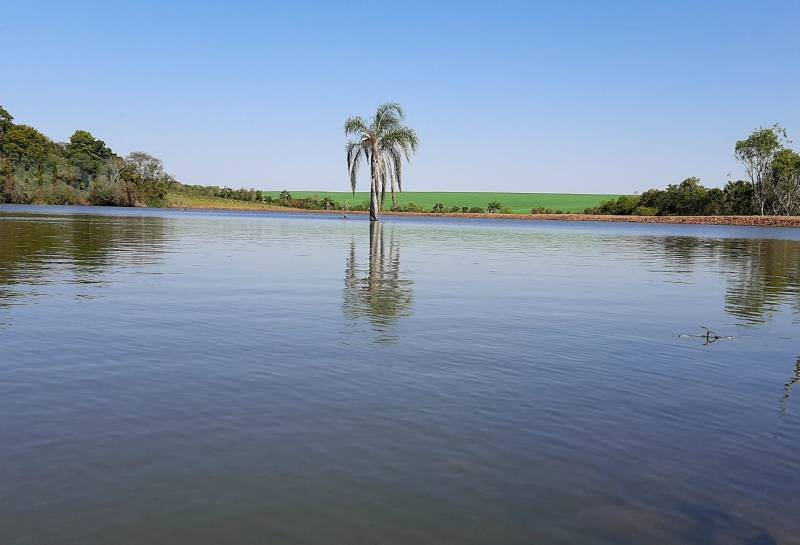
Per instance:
x=519, y=203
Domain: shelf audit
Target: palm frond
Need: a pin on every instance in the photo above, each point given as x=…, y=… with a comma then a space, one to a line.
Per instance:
x=403, y=137
x=387, y=117
x=397, y=170
x=355, y=125
x=355, y=154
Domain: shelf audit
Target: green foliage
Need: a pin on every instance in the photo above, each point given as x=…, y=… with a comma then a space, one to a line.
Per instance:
x=738, y=198
x=285, y=197
x=412, y=207
x=645, y=211
x=494, y=207
x=6, y=122
x=87, y=154
x=519, y=203
x=688, y=198
x=476, y=210
x=758, y=153
x=438, y=208
x=25, y=146
x=33, y=169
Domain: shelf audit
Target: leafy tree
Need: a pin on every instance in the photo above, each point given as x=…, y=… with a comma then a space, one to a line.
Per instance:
x=87, y=153
x=738, y=198
x=285, y=197
x=438, y=208
x=786, y=182
x=6, y=122
x=148, y=177
x=25, y=146
x=383, y=142
x=757, y=153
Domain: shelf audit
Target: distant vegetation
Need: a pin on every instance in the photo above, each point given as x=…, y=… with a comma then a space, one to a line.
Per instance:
x=466, y=201
x=772, y=186
x=35, y=169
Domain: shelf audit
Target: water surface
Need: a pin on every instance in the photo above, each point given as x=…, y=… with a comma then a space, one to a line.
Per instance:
x=205, y=378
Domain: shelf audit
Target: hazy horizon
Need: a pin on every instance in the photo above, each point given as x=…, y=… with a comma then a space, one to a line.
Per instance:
x=519, y=98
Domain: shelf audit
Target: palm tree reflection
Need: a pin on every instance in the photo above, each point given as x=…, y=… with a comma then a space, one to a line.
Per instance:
x=377, y=293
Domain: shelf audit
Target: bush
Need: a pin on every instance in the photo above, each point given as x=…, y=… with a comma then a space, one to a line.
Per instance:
x=737, y=198
x=438, y=208
x=61, y=193
x=412, y=207
x=476, y=210
x=102, y=192
x=493, y=207
x=645, y=211
x=454, y=209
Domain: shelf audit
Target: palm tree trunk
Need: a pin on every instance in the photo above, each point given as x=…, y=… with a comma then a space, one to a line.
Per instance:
x=374, y=205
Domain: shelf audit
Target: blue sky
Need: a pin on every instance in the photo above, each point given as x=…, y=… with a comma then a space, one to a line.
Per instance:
x=517, y=96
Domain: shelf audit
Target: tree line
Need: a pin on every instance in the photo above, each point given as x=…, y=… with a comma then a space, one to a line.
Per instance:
x=84, y=170
x=772, y=186
x=35, y=169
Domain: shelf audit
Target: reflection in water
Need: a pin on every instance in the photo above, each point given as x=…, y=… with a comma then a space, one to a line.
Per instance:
x=379, y=294
x=761, y=274
x=787, y=388
x=39, y=249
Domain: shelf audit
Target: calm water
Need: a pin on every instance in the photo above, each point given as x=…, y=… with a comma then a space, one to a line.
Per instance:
x=209, y=378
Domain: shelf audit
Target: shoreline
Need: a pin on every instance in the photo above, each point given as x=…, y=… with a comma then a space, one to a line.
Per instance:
x=743, y=221
x=746, y=221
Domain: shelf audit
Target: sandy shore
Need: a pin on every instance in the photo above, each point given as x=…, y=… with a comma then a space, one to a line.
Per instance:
x=756, y=221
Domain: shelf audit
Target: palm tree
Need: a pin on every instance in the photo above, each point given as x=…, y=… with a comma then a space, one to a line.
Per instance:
x=383, y=143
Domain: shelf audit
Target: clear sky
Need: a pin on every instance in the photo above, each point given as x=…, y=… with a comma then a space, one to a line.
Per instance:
x=595, y=97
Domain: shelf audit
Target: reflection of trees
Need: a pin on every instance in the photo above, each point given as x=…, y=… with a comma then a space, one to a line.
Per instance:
x=378, y=293
x=33, y=247
x=791, y=383
x=761, y=274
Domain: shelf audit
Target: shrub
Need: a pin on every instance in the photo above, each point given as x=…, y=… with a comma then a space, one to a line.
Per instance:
x=103, y=192
x=476, y=210
x=645, y=211
x=61, y=193
x=438, y=208
x=412, y=207
x=541, y=210
x=493, y=207
x=738, y=198
x=454, y=209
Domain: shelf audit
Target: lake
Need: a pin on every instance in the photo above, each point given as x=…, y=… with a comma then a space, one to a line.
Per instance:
x=203, y=378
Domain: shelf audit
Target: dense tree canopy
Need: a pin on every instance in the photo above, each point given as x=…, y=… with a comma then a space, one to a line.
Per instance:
x=34, y=169
x=772, y=187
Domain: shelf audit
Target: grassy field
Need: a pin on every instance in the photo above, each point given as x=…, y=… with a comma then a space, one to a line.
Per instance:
x=180, y=200
x=519, y=203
